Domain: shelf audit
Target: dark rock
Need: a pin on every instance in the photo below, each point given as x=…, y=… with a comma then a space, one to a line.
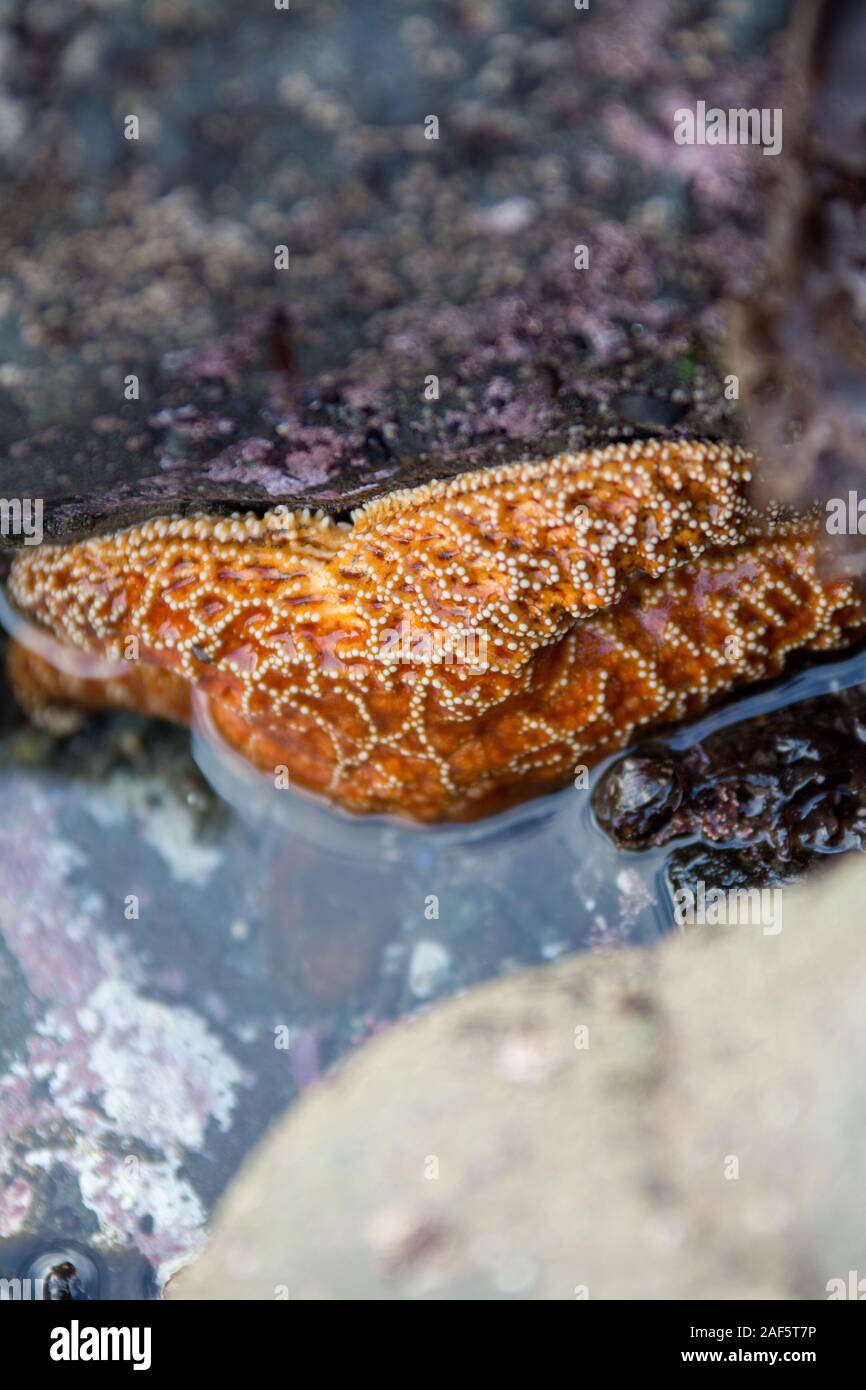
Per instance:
x=768, y=796
x=638, y=796
x=409, y=259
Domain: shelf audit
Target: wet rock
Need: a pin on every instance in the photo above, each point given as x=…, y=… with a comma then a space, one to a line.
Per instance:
x=724, y=870
x=767, y=796
x=657, y=1124
x=637, y=798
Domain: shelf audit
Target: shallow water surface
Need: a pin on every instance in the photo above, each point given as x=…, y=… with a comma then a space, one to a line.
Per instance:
x=178, y=963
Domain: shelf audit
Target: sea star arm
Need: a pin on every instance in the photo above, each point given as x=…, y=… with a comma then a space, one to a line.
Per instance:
x=600, y=591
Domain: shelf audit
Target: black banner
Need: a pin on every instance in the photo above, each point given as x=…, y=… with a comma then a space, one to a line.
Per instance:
x=153, y=1338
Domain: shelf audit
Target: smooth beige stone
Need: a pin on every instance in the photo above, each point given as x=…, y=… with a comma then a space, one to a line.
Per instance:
x=568, y=1172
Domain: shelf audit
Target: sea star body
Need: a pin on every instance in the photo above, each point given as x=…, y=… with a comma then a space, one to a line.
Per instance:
x=459, y=646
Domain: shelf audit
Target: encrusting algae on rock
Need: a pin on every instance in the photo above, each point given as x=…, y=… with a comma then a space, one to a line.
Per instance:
x=457, y=647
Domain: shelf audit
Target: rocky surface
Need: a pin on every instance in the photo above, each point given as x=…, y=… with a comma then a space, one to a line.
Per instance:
x=683, y=1123
x=799, y=342
x=409, y=258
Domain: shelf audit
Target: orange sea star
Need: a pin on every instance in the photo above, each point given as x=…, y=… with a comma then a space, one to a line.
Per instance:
x=456, y=647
